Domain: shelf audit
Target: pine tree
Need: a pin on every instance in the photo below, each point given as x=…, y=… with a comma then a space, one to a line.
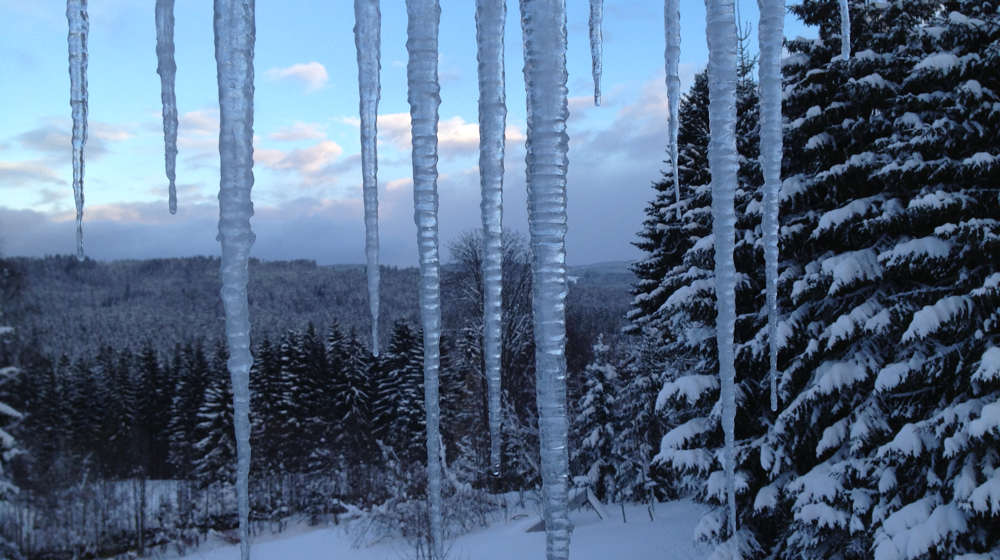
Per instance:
x=398, y=406
x=215, y=440
x=9, y=446
x=192, y=375
x=596, y=425
x=674, y=312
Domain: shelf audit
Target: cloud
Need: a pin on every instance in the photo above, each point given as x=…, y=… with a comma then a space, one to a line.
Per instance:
x=298, y=131
x=455, y=134
x=315, y=165
x=312, y=74
x=54, y=140
x=19, y=173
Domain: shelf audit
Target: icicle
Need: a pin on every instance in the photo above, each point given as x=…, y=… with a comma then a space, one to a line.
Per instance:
x=845, y=30
x=490, y=16
x=367, y=39
x=596, y=46
x=79, y=28
x=234, y=44
x=543, y=24
x=672, y=58
x=771, y=33
x=167, y=69
x=423, y=19
x=723, y=162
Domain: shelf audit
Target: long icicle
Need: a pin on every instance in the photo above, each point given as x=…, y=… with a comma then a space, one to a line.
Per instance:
x=543, y=25
x=234, y=46
x=672, y=60
x=79, y=29
x=771, y=33
x=845, y=30
x=367, y=40
x=596, y=45
x=490, y=19
x=723, y=161
x=423, y=20
x=166, y=67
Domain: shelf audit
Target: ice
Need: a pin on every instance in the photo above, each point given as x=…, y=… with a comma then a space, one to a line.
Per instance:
x=166, y=67
x=367, y=40
x=771, y=33
x=234, y=45
x=543, y=25
x=596, y=46
x=423, y=20
x=672, y=58
x=724, y=162
x=79, y=28
x=845, y=30
x=490, y=21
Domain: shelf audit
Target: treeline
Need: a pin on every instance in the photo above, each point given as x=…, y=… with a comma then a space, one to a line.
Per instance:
x=331, y=425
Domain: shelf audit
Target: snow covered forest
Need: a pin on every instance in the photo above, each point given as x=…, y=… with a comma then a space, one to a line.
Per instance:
x=852, y=412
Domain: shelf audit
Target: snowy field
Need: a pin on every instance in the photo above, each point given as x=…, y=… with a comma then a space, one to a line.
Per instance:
x=669, y=536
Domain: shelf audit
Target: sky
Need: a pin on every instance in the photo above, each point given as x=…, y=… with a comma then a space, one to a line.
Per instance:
x=307, y=191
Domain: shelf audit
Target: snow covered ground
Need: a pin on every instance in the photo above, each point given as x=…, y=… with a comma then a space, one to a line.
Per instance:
x=669, y=536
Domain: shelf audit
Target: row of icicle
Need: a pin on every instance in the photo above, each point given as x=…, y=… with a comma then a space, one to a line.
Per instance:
x=544, y=29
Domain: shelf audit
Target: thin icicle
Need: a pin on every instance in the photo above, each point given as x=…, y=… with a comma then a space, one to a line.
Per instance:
x=596, y=45
x=423, y=20
x=543, y=25
x=672, y=58
x=490, y=18
x=79, y=28
x=845, y=30
x=723, y=160
x=367, y=40
x=166, y=67
x=234, y=45
x=771, y=34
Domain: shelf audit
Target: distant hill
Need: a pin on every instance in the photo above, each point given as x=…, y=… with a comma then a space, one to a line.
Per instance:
x=70, y=307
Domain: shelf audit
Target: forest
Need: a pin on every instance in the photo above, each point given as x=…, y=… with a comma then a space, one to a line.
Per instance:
x=883, y=440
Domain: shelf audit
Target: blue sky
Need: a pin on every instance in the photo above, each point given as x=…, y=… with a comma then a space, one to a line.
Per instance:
x=307, y=167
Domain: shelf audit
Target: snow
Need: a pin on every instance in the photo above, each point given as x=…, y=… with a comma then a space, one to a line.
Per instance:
x=986, y=497
x=596, y=46
x=691, y=387
x=771, y=33
x=234, y=43
x=79, y=29
x=672, y=57
x=989, y=366
x=931, y=318
x=367, y=40
x=839, y=216
x=723, y=160
x=670, y=535
x=166, y=67
x=423, y=20
x=847, y=269
x=684, y=433
x=543, y=27
x=942, y=62
x=490, y=16
x=915, y=529
x=923, y=248
x=988, y=421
